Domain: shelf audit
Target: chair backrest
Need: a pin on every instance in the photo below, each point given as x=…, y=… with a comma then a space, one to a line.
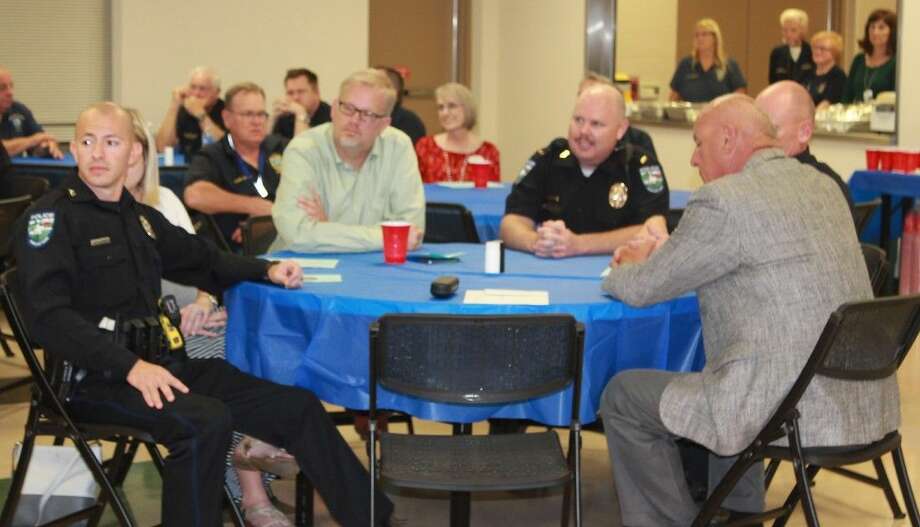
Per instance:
x=877, y=265
x=258, y=234
x=476, y=359
x=861, y=341
x=41, y=375
x=673, y=218
x=10, y=210
x=206, y=227
x=449, y=223
x=864, y=212
x=32, y=186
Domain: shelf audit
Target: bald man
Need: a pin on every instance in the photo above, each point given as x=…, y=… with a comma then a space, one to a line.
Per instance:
x=792, y=112
x=91, y=259
x=19, y=131
x=195, y=114
x=586, y=195
x=767, y=245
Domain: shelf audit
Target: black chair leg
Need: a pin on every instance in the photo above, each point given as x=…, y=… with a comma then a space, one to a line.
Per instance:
x=6, y=347
x=19, y=475
x=729, y=480
x=459, y=509
x=769, y=473
x=793, y=499
x=907, y=491
x=236, y=516
x=885, y=484
x=109, y=493
x=802, y=475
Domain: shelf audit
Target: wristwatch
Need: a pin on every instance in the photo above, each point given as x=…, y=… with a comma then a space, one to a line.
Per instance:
x=305, y=118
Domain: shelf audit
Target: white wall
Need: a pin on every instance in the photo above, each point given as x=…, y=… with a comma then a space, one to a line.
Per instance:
x=646, y=44
x=155, y=44
x=528, y=58
x=909, y=75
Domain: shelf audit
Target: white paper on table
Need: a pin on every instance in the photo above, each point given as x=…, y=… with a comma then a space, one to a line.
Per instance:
x=315, y=263
x=506, y=297
x=322, y=278
x=467, y=184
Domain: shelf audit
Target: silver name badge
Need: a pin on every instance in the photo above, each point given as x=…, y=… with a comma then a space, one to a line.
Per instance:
x=867, y=95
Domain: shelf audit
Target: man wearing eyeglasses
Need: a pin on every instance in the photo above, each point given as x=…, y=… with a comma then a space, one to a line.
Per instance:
x=237, y=177
x=342, y=179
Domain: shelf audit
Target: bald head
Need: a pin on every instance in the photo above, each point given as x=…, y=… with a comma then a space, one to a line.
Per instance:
x=792, y=112
x=6, y=89
x=104, y=147
x=727, y=133
x=598, y=122
x=106, y=109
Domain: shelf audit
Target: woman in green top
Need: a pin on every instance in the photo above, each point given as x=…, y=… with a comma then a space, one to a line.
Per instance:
x=873, y=71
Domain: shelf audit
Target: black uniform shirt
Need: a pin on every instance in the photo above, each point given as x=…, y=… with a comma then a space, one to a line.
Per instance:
x=218, y=163
x=188, y=129
x=695, y=85
x=408, y=122
x=782, y=67
x=625, y=189
x=82, y=260
x=18, y=121
x=284, y=125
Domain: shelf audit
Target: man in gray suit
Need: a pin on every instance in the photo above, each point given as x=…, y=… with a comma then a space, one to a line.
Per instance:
x=768, y=246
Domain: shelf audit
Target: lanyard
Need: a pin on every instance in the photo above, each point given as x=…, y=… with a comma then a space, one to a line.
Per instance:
x=245, y=169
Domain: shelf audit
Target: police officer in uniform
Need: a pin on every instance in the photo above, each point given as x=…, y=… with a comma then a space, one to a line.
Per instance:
x=585, y=195
x=91, y=259
x=237, y=177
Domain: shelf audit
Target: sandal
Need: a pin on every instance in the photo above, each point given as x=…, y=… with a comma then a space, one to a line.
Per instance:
x=252, y=454
x=265, y=516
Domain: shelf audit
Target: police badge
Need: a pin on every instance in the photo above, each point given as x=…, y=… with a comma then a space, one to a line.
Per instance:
x=147, y=227
x=618, y=195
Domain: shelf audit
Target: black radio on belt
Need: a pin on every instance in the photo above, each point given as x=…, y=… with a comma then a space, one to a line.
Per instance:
x=156, y=338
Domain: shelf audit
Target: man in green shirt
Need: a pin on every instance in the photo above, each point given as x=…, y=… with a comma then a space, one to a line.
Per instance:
x=342, y=179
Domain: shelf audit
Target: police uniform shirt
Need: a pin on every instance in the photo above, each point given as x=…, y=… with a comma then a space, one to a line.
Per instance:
x=625, y=189
x=783, y=67
x=188, y=129
x=695, y=85
x=218, y=163
x=18, y=121
x=86, y=263
x=284, y=125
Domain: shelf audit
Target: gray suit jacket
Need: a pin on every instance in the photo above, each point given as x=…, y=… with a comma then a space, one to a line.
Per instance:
x=771, y=253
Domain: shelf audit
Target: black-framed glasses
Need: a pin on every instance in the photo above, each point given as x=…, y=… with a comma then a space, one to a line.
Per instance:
x=365, y=115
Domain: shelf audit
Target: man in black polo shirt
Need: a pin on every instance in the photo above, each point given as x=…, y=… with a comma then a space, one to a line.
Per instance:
x=19, y=131
x=195, y=114
x=237, y=177
x=585, y=195
x=301, y=106
x=792, y=112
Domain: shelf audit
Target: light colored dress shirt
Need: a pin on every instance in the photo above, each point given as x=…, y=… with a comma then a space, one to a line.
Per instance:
x=386, y=187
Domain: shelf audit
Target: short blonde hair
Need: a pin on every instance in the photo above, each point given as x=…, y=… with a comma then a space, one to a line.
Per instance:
x=710, y=25
x=794, y=15
x=372, y=78
x=206, y=72
x=150, y=181
x=834, y=40
x=462, y=95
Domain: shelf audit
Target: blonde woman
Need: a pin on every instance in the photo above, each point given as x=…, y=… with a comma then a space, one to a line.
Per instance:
x=707, y=73
x=203, y=327
x=829, y=81
x=445, y=156
x=792, y=60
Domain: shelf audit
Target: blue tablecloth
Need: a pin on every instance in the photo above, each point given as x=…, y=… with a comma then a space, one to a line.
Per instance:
x=317, y=337
x=55, y=170
x=866, y=185
x=488, y=205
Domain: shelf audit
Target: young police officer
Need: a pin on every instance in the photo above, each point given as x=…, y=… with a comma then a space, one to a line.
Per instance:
x=91, y=259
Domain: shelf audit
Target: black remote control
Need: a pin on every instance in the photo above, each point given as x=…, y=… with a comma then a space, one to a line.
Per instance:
x=444, y=286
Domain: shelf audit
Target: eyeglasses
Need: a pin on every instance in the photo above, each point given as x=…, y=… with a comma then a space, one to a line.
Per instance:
x=252, y=116
x=365, y=115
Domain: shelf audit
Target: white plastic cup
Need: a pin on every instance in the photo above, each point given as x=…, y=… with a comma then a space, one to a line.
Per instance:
x=169, y=156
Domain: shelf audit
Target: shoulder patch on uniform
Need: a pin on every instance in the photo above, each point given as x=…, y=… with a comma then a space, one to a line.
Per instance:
x=528, y=166
x=275, y=161
x=41, y=225
x=652, y=178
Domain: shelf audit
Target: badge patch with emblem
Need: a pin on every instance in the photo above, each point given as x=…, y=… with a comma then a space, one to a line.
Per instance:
x=618, y=195
x=275, y=161
x=147, y=227
x=41, y=225
x=652, y=178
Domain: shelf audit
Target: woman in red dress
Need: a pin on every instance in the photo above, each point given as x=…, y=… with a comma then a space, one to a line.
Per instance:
x=447, y=155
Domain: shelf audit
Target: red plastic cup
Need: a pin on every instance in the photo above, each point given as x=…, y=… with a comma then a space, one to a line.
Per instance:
x=886, y=159
x=395, y=241
x=913, y=161
x=873, y=158
x=480, y=172
x=900, y=160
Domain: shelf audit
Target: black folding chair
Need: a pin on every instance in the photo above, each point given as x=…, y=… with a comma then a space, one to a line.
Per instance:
x=48, y=416
x=25, y=185
x=10, y=210
x=877, y=265
x=476, y=360
x=863, y=212
x=862, y=341
x=449, y=223
x=258, y=234
x=206, y=226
